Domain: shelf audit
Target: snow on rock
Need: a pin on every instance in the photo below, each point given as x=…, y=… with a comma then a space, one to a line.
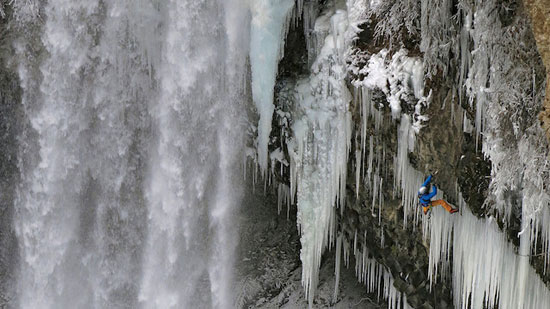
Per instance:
x=269, y=27
x=500, y=78
x=396, y=75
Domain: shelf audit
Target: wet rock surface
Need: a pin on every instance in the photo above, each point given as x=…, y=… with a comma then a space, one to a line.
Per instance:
x=398, y=246
x=400, y=249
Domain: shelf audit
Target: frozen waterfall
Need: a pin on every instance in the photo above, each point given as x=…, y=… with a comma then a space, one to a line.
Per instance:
x=130, y=154
x=136, y=120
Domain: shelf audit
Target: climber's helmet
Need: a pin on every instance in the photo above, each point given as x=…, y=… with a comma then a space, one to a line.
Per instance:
x=422, y=191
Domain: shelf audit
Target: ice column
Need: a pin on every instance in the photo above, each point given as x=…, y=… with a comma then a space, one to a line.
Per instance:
x=319, y=150
x=270, y=21
x=406, y=177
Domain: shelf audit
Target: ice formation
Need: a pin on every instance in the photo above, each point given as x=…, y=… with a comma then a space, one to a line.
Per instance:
x=487, y=61
x=269, y=27
x=377, y=279
x=396, y=78
x=375, y=276
x=487, y=270
x=319, y=150
x=500, y=79
x=321, y=139
x=378, y=74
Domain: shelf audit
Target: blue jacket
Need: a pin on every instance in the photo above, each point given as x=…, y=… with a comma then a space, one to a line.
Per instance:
x=427, y=197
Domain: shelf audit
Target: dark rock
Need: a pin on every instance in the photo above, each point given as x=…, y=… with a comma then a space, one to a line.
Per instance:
x=399, y=284
x=426, y=305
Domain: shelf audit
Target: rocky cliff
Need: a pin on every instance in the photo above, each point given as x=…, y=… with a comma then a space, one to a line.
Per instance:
x=467, y=127
x=539, y=13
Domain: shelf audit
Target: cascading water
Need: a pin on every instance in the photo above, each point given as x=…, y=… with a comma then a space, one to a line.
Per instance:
x=131, y=152
x=188, y=190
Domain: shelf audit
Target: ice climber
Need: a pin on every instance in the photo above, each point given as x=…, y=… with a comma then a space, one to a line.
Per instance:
x=425, y=198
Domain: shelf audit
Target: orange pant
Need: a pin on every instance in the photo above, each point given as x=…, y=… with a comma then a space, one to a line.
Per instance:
x=441, y=203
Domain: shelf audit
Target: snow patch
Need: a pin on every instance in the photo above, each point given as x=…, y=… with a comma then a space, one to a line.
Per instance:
x=396, y=75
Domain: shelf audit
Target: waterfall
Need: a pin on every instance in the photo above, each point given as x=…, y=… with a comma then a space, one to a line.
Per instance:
x=188, y=190
x=130, y=154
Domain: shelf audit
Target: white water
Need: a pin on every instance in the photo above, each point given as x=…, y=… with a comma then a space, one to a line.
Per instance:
x=131, y=154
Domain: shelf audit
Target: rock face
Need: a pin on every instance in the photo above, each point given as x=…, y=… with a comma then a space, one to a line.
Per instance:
x=539, y=12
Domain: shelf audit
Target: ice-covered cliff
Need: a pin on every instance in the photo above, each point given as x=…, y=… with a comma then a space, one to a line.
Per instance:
x=141, y=140
x=392, y=91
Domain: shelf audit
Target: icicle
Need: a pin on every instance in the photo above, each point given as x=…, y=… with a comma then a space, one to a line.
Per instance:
x=374, y=191
x=371, y=159
x=488, y=272
x=268, y=33
x=467, y=126
x=355, y=243
x=377, y=279
x=380, y=200
x=337, y=268
x=479, y=115
x=283, y=197
x=366, y=102
x=313, y=36
x=357, y=172
x=406, y=176
x=465, y=54
x=440, y=232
